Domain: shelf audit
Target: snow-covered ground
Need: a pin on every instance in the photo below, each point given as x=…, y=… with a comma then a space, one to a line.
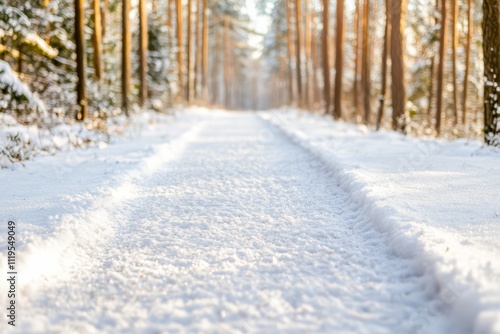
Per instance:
x=244, y=222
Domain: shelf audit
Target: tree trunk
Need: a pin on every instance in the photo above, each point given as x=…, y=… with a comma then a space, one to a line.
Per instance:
x=298, y=32
x=314, y=59
x=97, y=40
x=180, y=46
x=365, y=63
x=440, y=74
x=398, y=90
x=356, y=59
x=339, y=57
x=325, y=56
x=454, y=46
x=291, y=52
x=227, y=87
x=204, y=61
x=81, y=88
x=189, y=51
x=307, y=58
x=385, y=54
x=143, y=52
x=467, y=60
x=198, y=52
x=491, y=50
x=126, y=49
x=104, y=16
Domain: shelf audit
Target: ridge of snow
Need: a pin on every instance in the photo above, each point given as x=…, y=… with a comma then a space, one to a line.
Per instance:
x=463, y=269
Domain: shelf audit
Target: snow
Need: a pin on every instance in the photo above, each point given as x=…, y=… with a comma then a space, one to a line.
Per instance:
x=436, y=201
x=9, y=79
x=244, y=222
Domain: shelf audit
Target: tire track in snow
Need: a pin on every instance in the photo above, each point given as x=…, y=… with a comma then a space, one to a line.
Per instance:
x=241, y=233
x=78, y=234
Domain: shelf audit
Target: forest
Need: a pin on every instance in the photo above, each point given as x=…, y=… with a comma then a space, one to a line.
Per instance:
x=415, y=66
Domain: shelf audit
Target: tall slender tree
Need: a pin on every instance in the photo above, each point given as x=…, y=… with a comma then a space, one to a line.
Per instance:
x=491, y=50
x=189, y=52
x=325, y=56
x=291, y=52
x=440, y=73
x=339, y=58
x=398, y=90
x=180, y=46
x=298, y=39
x=143, y=52
x=365, y=62
x=204, y=61
x=97, y=40
x=126, y=49
x=80, y=61
x=454, y=46
x=385, y=55
x=467, y=60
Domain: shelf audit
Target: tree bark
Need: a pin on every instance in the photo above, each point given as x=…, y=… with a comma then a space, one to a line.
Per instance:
x=365, y=63
x=325, y=56
x=291, y=52
x=97, y=40
x=126, y=49
x=454, y=10
x=189, y=50
x=298, y=32
x=440, y=74
x=385, y=55
x=307, y=58
x=180, y=46
x=467, y=60
x=204, y=61
x=398, y=90
x=356, y=59
x=143, y=52
x=491, y=51
x=81, y=88
x=227, y=87
x=339, y=58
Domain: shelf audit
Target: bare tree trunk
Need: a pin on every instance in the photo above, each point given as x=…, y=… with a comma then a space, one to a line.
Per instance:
x=180, y=46
x=189, y=51
x=227, y=87
x=339, y=58
x=126, y=49
x=97, y=40
x=291, y=51
x=204, y=61
x=326, y=58
x=298, y=32
x=104, y=16
x=81, y=88
x=365, y=63
x=432, y=74
x=491, y=50
x=467, y=60
x=356, y=59
x=307, y=58
x=454, y=9
x=143, y=52
x=398, y=90
x=385, y=55
x=440, y=74
x=198, y=52
x=314, y=58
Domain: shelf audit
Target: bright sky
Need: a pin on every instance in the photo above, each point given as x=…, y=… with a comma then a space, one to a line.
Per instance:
x=260, y=24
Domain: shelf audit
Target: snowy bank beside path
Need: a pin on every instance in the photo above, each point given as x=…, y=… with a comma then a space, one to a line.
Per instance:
x=438, y=202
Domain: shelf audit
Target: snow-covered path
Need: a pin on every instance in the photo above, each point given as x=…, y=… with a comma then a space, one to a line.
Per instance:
x=239, y=231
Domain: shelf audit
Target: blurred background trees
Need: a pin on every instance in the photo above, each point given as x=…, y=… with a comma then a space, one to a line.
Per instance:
x=415, y=66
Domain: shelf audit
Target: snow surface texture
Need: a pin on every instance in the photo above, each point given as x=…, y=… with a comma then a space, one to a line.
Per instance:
x=438, y=203
x=227, y=222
